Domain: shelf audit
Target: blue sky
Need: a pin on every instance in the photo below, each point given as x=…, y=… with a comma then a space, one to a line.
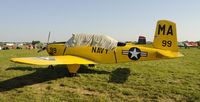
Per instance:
x=124, y=20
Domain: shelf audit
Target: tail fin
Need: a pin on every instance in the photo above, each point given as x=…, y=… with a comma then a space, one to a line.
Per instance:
x=165, y=36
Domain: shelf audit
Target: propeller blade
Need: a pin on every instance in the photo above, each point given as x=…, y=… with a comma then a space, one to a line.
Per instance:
x=48, y=37
x=44, y=48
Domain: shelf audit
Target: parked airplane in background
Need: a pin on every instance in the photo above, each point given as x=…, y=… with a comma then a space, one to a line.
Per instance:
x=100, y=49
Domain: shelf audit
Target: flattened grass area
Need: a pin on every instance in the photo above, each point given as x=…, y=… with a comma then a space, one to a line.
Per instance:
x=161, y=80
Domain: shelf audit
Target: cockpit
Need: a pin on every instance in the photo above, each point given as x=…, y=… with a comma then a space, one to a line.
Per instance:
x=102, y=41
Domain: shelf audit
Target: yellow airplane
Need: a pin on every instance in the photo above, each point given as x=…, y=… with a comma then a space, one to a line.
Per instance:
x=164, y=46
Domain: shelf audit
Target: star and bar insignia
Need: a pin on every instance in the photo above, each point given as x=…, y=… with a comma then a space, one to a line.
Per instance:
x=134, y=53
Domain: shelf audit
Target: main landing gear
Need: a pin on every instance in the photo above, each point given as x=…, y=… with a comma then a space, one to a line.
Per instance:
x=73, y=68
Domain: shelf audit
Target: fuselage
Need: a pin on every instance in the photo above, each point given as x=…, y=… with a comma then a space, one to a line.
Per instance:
x=120, y=54
x=82, y=49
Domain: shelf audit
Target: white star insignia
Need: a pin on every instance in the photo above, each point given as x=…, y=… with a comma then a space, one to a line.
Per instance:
x=134, y=53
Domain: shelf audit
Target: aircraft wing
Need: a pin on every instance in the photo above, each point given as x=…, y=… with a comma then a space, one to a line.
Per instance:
x=53, y=60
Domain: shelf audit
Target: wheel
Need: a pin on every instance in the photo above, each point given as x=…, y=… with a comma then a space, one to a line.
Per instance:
x=91, y=65
x=72, y=74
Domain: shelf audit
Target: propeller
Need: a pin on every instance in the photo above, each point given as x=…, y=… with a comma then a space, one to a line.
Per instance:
x=48, y=38
x=44, y=47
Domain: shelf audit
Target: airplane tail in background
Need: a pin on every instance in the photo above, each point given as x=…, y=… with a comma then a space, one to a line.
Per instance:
x=165, y=36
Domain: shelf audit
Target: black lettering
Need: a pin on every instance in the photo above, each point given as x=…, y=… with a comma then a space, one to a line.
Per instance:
x=100, y=50
x=94, y=49
x=169, y=43
x=170, y=31
x=166, y=43
x=106, y=51
x=161, y=29
x=50, y=51
x=54, y=50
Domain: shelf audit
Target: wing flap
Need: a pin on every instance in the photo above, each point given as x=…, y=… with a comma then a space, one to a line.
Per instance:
x=53, y=60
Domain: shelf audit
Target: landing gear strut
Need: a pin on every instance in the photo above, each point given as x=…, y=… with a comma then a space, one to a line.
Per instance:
x=73, y=68
x=51, y=67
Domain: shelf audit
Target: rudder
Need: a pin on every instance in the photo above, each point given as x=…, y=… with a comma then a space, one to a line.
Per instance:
x=165, y=36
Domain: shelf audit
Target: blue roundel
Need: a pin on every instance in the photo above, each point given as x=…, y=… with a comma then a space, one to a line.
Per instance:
x=134, y=53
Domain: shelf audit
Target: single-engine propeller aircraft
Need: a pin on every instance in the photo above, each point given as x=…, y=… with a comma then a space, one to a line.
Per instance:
x=101, y=49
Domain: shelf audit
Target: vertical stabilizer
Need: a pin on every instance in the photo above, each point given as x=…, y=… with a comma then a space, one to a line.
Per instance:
x=165, y=36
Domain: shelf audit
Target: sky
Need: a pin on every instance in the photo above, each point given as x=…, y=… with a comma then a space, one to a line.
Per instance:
x=124, y=20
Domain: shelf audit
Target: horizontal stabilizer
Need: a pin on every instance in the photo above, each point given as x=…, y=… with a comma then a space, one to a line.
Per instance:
x=169, y=54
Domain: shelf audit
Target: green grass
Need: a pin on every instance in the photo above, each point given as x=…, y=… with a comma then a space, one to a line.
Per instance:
x=163, y=80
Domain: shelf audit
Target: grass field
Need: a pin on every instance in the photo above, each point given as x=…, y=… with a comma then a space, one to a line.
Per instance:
x=163, y=80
